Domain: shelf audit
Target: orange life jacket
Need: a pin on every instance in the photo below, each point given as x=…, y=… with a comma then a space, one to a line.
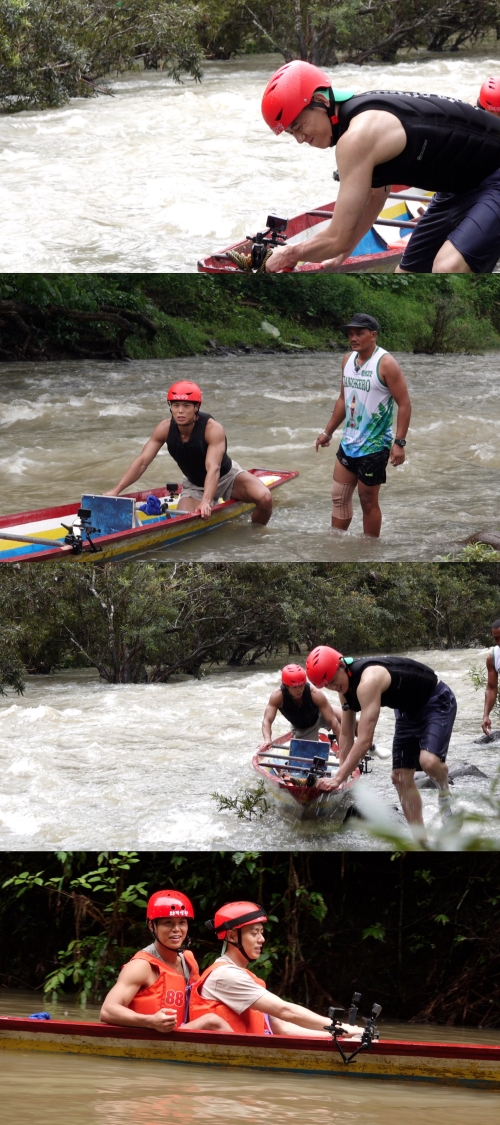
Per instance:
x=169, y=990
x=246, y=1023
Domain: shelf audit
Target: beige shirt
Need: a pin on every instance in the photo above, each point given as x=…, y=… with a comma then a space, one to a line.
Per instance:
x=231, y=986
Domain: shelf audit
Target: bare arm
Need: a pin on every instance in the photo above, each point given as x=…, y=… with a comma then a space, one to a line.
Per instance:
x=338, y=415
x=297, y=1015
x=216, y=442
x=372, y=138
x=491, y=693
x=370, y=214
x=115, y=1009
x=392, y=375
x=275, y=701
x=148, y=454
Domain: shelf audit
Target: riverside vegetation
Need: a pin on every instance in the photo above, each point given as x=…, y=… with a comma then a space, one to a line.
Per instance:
x=418, y=934
x=51, y=52
x=143, y=622
x=133, y=316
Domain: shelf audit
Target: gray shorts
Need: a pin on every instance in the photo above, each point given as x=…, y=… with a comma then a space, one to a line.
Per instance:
x=312, y=733
x=224, y=487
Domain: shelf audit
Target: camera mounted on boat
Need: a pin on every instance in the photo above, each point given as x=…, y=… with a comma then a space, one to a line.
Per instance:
x=370, y=1032
x=77, y=531
x=318, y=769
x=263, y=241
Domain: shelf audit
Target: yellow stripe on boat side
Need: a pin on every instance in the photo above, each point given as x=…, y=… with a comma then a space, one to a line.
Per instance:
x=458, y=1071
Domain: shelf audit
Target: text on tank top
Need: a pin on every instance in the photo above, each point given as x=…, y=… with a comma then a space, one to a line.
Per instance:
x=191, y=455
x=412, y=683
x=369, y=406
x=170, y=989
x=301, y=713
x=244, y=1023
x=451, y=146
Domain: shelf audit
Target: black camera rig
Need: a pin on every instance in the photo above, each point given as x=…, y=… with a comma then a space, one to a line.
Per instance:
x=370, y=1032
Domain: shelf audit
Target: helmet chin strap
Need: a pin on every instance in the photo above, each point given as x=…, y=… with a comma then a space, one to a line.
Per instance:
x=330, y=111
x=239, y=945
x=152, y=925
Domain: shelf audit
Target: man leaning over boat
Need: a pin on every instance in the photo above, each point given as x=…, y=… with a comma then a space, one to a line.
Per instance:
x=153, y=988
x=386, y=137
x=198, y=445
x=306, y=708
x=425, y=711
x=229, y=989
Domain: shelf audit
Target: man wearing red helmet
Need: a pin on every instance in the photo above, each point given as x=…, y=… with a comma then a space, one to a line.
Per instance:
x=425, y=711
x=306, y=708
x=231, y=991
x=153, y=988
x=388, y=137
x=489, y=95
x=198, y=445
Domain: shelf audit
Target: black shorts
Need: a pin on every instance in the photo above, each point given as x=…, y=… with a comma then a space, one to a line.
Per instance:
x=471, y=222
x=428, y=729
x=369, y=469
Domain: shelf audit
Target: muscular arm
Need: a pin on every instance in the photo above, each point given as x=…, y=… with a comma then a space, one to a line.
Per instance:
x=148, y=454
x=372, y=138
x=338, y=415
x=330, y=714
x=393, y=377
x=491, y=693
x=115, y=1010
x=275, y=701
x=374, y=681
x=216, y=442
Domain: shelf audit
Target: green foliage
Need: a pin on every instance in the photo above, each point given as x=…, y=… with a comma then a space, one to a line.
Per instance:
x=376, y=931
x=52, y=51
x=247, y=805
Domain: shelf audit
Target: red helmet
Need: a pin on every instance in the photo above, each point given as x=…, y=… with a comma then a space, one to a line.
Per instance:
x=322, y=664
x=293, y=675
x=169, y=904
x=489, y=95
x=289, y=91
x=184, y=392
x=235, y=915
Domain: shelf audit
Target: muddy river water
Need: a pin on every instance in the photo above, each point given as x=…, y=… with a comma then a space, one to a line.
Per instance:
x=87, y=765
x=99, y=1091
x=71, y=428
x=161, y=174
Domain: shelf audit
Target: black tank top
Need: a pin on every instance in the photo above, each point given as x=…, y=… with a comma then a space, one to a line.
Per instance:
x=412, y=683
x=301, y=713
x=190, y=455
x=451, y=146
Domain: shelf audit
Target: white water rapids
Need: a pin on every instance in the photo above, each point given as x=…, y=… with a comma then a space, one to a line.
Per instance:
x=162, y=174
x=85, y=765
x=72, y=428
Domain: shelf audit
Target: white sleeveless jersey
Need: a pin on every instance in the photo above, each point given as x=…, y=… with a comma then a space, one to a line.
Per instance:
x=495, y=652
x=368, y=406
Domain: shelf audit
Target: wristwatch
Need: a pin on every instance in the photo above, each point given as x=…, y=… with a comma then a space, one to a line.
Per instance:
x=400, y=441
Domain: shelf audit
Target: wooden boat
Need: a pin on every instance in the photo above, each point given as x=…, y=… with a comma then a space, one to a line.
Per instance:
x=454, y=1064
x=114, y=527
x=379, y=251
x=290, y=774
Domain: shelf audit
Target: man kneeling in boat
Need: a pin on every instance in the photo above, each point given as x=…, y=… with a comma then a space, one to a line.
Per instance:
x=306, y=708
x=231, y=991
x=198, y=445
x=425, y=711
x=153, y=988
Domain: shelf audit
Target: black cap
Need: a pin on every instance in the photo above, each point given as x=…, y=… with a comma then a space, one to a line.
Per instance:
x=361, y=320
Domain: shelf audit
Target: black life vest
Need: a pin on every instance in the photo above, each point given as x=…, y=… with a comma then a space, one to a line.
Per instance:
x=451, y=146
x=302, y=713
x=412, y=683
x=190, y=455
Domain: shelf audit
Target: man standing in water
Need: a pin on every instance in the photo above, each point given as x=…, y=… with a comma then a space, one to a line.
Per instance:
x=425, y=711
x=198, y=445
x=389, y=137
x=371, y=382
x=306, y=708
x=493, y=668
